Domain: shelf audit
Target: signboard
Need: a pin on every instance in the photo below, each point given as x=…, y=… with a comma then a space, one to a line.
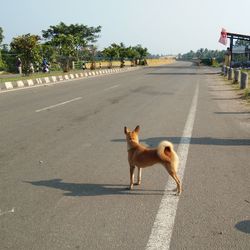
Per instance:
x=239, y=49
x=223, y=37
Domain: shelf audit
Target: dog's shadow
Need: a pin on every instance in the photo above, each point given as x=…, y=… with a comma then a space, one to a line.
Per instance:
x=89, y=189
x=154, y=141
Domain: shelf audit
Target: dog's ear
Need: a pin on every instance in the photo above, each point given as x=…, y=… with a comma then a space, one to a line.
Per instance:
x=126, y=130
x=137, y=129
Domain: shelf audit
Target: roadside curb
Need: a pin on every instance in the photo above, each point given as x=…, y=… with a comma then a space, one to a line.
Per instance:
x=5, y=86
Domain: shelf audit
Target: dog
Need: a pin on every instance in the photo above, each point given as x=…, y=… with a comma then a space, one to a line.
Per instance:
x=140, y=156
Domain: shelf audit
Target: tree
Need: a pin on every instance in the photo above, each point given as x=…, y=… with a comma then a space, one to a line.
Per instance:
x=116, y=51
x=66, y=50
x=1, y=35
x=92, y=52
x=70, y=40
x=9, y=59
x=143, y=53
x=205, y=55
x=111, y=53
x=199, y=53
x=49, y=52
x=189, y=56
x=26, y=47
x=122, y=53
x=132, y=55
x=1, y=39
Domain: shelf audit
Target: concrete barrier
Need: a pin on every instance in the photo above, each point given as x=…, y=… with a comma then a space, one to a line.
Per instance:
x=53, y=79
x=47, y=80
x=236, y=76
x=30, y=82
x=230, y=74
x=18, y=84
x=39, y=81
x=244, y=80
x=7, y=85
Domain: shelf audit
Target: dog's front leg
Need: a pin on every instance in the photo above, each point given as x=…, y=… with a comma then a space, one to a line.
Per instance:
x=132, y=170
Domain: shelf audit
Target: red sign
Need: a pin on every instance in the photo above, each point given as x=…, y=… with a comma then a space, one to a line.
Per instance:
x=223, y=37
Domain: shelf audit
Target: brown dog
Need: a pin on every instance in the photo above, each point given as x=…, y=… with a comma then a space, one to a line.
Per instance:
x=140, y=156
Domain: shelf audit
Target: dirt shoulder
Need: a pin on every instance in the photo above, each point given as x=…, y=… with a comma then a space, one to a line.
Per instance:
x=231, y=100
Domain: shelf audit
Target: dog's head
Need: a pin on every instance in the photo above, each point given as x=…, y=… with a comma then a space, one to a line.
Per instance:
x=132, y=136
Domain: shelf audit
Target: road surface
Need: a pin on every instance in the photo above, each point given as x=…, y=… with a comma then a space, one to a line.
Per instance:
x=64, y=170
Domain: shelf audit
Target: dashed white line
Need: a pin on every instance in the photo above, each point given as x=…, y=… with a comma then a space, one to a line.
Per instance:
x=164, y=222
x=73, y=100
x=59, y=104
x=112, y=87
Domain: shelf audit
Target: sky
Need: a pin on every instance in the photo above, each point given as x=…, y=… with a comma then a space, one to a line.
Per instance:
x=162, y=26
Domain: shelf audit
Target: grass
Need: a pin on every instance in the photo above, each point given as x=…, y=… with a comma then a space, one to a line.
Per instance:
x=246, y=95
x=247, y=71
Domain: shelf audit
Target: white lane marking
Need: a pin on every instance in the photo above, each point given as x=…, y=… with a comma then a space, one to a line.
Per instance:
x=112, y=87
x=59, y=104
x=164, y=222
x=7, y=212
x=75, y=99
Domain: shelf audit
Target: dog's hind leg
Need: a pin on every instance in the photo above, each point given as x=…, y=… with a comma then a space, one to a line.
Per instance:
x=173, y=174
x=177, y=180
x=139, y=176
x=132, y=175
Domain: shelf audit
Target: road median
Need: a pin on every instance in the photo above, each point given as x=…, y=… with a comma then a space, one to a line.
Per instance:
x=52, y=79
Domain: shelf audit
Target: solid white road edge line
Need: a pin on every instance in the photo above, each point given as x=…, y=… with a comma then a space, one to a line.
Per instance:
x=59, y=104
x=164, y=222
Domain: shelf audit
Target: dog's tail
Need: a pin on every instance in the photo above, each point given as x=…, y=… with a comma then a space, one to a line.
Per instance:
x=165, y=151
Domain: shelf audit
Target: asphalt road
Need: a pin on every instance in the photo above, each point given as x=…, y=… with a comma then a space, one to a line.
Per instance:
x=64, y=170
